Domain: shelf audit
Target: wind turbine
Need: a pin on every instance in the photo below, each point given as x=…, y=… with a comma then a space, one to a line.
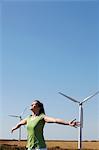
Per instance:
x=20, y=118
x=80, y=115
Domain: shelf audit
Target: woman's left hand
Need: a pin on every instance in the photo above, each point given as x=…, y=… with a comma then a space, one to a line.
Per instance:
x=74, y=123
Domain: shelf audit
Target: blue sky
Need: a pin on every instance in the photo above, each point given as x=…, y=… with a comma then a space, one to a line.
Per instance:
x=48, y=47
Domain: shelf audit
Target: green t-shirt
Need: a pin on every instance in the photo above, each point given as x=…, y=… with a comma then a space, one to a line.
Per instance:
x=35, y=138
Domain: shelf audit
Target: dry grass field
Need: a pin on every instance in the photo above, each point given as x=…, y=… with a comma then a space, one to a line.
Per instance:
x=51, y=145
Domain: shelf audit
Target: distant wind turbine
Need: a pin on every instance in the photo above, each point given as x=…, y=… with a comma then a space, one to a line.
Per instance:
x=20, y=118
x=80, y=115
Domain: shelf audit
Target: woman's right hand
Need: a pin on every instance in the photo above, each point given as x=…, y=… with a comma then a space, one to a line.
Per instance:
x=12, y=130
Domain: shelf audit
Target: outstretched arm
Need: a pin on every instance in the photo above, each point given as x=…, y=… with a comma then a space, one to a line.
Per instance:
x=22, y=122
x=61, y=121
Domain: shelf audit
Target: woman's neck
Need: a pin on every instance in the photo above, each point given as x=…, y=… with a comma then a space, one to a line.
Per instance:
x=34, y=114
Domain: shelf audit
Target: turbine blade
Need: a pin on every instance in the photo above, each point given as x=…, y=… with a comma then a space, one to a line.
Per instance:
x=89, y=97
x=72, y=99
x=14, y=116
x=24, y=110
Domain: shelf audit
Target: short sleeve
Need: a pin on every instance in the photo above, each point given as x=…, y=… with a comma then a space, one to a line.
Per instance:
x=27, y=118
x=42, y=116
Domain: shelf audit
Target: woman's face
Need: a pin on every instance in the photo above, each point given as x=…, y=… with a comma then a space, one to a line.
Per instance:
x=34, y=107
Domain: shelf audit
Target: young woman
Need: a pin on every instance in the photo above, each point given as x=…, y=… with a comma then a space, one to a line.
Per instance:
x=35, y=124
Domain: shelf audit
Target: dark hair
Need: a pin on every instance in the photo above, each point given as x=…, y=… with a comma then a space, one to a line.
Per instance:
x=40, y=106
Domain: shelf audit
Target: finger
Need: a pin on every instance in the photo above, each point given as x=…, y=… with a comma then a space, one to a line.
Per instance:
x=12, y=131
x=73, y=120
x=74, y=126
x=78, y=123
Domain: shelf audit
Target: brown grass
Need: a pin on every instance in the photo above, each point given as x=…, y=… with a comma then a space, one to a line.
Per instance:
x=51, y=144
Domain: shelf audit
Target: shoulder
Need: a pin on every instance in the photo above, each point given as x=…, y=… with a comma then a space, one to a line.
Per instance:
x=42, y=116
x=28, y=117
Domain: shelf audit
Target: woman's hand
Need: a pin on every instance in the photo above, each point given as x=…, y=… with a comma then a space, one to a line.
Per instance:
x=74, y=123
x=12, y=130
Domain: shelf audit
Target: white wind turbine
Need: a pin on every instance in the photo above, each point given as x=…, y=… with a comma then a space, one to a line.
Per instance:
x=20, y=118
x=80, y=115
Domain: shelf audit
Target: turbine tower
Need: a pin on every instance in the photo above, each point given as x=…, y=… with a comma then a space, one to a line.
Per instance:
x=80, y=115
x=20, y=118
